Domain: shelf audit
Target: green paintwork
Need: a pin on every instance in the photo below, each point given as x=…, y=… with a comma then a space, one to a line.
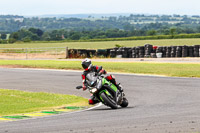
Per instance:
x=104, y=81
x=101, y=99
x=114, y=87
x=51, y=112
x=17, y=117
x=107, y=93
x=74, y=107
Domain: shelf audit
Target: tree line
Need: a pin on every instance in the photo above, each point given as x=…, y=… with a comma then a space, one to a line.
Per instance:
x=19, y=28
x=34, y=34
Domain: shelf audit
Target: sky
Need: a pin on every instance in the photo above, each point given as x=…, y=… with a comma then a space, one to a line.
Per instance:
x=44, y=7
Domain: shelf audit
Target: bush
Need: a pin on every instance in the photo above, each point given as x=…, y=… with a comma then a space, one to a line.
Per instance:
x=12, y=40
x=3, y=42
x=26, y=39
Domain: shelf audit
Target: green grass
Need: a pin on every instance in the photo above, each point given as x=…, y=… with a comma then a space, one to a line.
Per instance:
x=167, y=69
x=17, y=102
x=104, y=44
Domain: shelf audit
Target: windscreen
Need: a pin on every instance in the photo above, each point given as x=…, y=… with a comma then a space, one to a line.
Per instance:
x=91, y=78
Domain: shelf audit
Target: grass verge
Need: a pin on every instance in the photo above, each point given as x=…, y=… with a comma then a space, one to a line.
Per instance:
x=16, y=102
x=167, y=69
x=105, y=44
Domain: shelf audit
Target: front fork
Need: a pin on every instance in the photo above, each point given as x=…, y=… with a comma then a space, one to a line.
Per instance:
x=118, y=96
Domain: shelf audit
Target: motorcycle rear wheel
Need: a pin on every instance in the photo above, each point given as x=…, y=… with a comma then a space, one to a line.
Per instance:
x=108, y=101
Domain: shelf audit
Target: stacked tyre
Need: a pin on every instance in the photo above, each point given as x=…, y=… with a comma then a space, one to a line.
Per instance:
x=119, y=53
x=113, y=52
x=82, y=53
x=141, y=52
x=130, y=53
x=102, y=52
x=196, y=50
x=168, y=52
x=125, y=52
x=191, y=51
x=164, y=51
x=90, y=53
x=137, y=52
x=179, y=51
x=199, y=51
x=173, y=51
x=134, y=52
x=148, y=50
x=153, y=52
x=159, y=50
x=185, y=51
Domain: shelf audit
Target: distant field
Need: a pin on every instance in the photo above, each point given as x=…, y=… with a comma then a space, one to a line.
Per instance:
x=105, y=44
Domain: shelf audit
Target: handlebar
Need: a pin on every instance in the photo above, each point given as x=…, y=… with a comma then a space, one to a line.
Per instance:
x=79, y=87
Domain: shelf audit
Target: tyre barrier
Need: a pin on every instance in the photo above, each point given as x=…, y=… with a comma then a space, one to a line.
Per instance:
x=146, y=51
x=84, y=53
x=150, y=51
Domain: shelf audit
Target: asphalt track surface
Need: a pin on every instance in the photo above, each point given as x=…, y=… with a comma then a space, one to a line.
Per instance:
x=156, y=104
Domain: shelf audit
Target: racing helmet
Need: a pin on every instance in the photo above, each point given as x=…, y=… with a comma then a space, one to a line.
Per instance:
x=86, y=64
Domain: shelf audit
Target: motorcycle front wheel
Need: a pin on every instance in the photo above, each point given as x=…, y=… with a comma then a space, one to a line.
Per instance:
x=108, y=101
x=124, y=103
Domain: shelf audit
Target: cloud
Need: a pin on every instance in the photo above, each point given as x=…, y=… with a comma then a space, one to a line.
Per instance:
x=39, y=7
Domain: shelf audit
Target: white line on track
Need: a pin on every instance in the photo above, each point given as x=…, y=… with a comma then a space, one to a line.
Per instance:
x=64, y=113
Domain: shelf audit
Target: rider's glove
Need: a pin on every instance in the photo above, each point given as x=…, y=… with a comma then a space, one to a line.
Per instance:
x=84, y=88
x=103, y=72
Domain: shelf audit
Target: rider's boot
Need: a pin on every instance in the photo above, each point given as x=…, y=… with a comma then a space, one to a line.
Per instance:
x=93, y=100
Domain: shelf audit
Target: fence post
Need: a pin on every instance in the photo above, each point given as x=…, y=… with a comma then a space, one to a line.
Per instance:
x=26, y=53
x=56, y=52
x=67, y=52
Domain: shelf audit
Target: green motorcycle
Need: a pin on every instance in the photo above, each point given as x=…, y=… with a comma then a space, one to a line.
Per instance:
x=104, y=91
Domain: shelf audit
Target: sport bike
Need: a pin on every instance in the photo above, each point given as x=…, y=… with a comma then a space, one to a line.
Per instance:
x=104, y=91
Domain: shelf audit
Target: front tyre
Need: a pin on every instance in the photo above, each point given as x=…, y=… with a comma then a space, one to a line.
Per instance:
x=124, y=103
x=108, y=101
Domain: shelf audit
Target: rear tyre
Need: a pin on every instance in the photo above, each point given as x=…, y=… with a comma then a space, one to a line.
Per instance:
x=108, y=101
x=124, y=103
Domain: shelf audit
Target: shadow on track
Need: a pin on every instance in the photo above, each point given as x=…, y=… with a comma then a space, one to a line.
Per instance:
x=105, y=109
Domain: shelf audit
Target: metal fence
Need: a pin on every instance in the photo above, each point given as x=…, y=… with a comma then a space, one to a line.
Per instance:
x=33, y=53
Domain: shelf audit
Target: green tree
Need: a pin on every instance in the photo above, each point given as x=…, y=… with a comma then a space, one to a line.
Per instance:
x=55, y=35
x=172, y=32
x=39, y=32
x=151, y=32
x=75, y=36
x=26, y=39
x=46, y=36
x=11, y=40
x=35, y=37
x=15, y=35
x=3, y=36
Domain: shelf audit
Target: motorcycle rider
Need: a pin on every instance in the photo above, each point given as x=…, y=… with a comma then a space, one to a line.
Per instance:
x=87, y=65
